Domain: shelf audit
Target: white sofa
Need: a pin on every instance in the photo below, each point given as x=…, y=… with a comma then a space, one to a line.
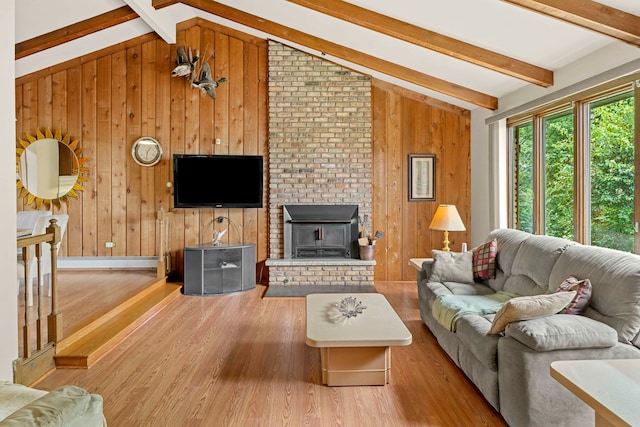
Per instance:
x=67, y=406
x=512, y=368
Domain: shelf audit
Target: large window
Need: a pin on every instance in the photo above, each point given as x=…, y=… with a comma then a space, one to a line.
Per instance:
x=612, y=172
x=523, y=173
x=558, y=174
x=573, y=170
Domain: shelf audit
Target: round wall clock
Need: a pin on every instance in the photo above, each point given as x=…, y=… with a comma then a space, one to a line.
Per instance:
x=146, y=151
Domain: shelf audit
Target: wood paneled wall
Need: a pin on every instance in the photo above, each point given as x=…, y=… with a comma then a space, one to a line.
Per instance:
x=406, y=123
x=112, y=97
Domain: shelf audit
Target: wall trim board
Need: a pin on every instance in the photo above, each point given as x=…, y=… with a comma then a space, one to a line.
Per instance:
x=107, y=262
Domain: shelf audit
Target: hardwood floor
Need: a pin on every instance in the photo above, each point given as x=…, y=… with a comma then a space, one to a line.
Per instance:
x=241, y=360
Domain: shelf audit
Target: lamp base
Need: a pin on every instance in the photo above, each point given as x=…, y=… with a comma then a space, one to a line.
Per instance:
x=445, y=242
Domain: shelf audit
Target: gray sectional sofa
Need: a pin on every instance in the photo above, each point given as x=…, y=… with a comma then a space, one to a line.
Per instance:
x=512, y=368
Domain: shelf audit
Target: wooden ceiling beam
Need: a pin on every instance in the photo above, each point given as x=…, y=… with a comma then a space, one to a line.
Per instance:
x=75, y=31
x=590, y=15
x=338, y=51
x=165, y=28
x=430, y=40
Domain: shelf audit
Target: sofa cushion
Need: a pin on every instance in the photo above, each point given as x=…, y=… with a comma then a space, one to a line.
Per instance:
x=529, y=307
x=484, y=260
x=522, y=284
x=533, y=264
x=563, y=332
x=432, y=290
x=472, y=330
x=615, y=282
x=508, y=242
x=583, y=292
x=455, y=288
x=447, y=309
x=451, y=267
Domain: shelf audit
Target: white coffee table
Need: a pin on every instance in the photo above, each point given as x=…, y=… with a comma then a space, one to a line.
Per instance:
x=610, y=387
x=357, y=350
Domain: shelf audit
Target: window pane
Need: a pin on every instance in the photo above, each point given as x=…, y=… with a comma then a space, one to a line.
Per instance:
x=523, y=174
x=558, y=175
x=612, y=172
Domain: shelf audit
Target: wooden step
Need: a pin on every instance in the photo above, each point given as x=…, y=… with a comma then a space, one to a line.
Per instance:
x=89, y=343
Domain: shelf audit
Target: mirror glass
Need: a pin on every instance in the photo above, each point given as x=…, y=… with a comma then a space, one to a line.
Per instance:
x=48, y=168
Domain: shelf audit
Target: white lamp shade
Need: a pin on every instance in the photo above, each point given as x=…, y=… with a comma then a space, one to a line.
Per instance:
x=447, y=218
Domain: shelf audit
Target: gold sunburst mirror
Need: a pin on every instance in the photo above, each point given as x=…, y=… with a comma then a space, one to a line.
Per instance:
x=49, y=169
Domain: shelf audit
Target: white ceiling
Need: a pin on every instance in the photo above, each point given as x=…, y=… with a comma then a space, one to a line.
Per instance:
x=491, y=24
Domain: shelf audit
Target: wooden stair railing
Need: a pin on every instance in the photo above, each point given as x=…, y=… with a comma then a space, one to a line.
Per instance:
x=33, y=363
x=165, y=227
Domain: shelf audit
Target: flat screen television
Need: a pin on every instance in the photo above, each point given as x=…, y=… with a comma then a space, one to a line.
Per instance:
x=217, y=181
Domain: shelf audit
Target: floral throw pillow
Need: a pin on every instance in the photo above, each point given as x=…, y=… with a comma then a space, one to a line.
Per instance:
x=583, y=292
x=484, y=260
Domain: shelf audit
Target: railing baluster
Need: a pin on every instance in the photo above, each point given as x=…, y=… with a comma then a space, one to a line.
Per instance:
x=54, y=324
x=26, y=336
x=39, y=325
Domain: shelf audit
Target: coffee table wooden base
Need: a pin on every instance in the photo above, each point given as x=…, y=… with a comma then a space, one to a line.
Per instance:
x=348, y=366
x=355, y=350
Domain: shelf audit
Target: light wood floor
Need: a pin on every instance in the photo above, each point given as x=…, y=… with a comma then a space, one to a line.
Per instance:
x=84, y=295
x=241, y=360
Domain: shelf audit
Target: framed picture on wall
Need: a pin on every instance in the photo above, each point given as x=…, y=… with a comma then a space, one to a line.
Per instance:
x=422, y=177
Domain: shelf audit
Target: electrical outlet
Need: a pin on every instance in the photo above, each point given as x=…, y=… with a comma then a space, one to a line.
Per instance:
x=109, y=244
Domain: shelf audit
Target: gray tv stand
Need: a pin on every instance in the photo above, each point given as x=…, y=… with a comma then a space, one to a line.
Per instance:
x=211, y=270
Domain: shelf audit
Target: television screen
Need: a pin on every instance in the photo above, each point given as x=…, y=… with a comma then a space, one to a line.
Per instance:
x=217, y=181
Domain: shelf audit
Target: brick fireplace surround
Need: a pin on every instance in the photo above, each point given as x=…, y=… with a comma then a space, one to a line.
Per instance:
x=320, y=152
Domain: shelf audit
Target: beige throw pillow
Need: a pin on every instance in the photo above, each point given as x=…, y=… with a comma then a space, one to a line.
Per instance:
x=531, y=307
x=451, y=267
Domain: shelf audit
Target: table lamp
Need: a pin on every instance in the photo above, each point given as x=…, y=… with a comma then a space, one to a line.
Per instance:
x=446, y=219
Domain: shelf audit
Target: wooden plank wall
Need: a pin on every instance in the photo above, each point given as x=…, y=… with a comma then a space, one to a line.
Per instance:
x=110, y=98
x=404, y=123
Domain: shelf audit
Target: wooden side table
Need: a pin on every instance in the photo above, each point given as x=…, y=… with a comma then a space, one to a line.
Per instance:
x=417, y=262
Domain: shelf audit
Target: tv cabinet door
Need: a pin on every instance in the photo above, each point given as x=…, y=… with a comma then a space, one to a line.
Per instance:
x=210, y=270
x=231, y=268
x=193, y=272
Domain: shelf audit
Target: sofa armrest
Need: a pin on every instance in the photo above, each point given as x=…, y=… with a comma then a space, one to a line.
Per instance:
x=562, y=332
x=66, y=406
x=15, y=396
x=425, y=271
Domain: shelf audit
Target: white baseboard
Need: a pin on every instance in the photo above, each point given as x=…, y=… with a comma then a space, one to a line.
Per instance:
x=106, y=262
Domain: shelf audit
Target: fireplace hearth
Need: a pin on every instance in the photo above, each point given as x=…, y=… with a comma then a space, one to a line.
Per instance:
x=320, y=231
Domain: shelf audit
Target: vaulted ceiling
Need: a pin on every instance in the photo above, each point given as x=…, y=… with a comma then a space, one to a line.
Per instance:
x=465, y=52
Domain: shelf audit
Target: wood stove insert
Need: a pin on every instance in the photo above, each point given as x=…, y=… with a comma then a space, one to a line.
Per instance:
x=320, y=231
